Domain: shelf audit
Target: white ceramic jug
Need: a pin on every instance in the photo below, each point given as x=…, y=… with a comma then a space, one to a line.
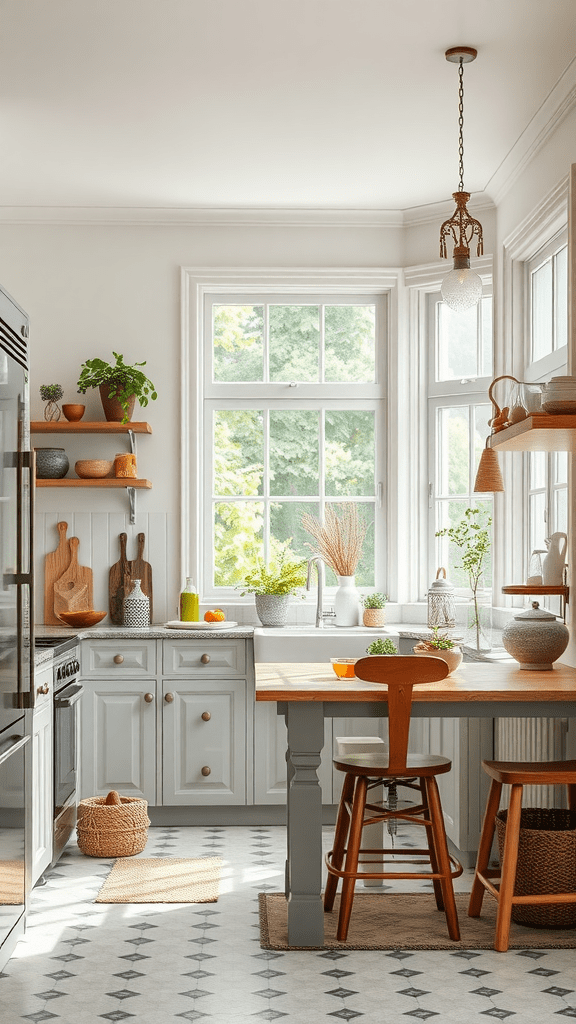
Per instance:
x=554, y=560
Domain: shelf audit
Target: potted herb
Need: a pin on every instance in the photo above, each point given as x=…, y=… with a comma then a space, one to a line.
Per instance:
x=51, y=394
x=472, y=535
x=374, y=610
x=120, y=385
x=273, y=584
x=441, y=645
x=383, y=645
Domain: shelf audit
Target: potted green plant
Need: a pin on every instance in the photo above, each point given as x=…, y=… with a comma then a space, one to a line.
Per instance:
x=374, y=613
x=441, y=645
x=120, y=385
x=51, y=394
x=273, y=584
x=383, y=645
x=472, y=534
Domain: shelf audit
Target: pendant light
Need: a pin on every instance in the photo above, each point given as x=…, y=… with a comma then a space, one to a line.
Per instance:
x=461, y=288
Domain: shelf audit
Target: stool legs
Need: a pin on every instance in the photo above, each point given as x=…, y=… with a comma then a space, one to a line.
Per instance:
x=354, y=842
x=508, y=869
x=485, y=848
x=441, y=853
x=340, y=837
x=432, y=848
x=571, y=797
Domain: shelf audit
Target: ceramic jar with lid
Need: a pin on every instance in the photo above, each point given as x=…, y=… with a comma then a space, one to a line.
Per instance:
x=535, y=638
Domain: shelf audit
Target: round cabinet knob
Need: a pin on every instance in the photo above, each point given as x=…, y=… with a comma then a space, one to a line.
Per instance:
x=204, y=658
x=118, y=659
x=45, y=689
x=169, y=698
x=206, y=770
x=206, y=716
x=148, y=697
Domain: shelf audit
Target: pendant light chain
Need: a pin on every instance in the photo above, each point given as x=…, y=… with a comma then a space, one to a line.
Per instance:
x=461, y=124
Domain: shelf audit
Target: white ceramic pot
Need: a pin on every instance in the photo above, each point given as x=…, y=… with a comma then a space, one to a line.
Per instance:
x=535, y=638
x=347, y=602
x=453, y=657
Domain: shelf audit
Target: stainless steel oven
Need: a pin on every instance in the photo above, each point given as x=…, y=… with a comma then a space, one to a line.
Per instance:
x=67, y=694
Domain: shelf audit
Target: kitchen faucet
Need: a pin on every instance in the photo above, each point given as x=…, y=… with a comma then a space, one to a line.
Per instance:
x=320, y=570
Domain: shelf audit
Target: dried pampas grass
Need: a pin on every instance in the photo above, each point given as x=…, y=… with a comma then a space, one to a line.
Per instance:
x=339, y=539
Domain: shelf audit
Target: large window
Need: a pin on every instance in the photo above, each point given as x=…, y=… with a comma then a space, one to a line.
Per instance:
x=293, y=420
x=460, y=370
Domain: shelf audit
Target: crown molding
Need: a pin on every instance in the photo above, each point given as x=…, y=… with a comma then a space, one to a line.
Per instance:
x=557, y=105
x=438, y=212
x=176, y=217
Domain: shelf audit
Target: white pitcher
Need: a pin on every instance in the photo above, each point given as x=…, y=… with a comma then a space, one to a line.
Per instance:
x=554, y=560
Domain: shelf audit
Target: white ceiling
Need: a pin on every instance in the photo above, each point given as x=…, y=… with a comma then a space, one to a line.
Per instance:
x=308, y=104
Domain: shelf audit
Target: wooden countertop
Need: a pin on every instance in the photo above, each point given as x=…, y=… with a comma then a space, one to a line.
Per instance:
x=474, y=681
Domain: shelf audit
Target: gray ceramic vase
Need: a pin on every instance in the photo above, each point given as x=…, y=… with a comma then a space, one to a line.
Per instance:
x=535, y=638
x=272, y=609
x=51, y=463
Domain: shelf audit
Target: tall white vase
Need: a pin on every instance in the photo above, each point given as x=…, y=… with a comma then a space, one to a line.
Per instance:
x=347, y=602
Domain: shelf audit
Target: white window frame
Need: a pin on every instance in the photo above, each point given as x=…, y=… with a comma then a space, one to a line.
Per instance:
x=197, y=283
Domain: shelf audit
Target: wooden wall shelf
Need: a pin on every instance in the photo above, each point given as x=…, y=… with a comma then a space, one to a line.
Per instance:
x=105, y=481
x=86, y=427
x=540, y=432
x=560, y=590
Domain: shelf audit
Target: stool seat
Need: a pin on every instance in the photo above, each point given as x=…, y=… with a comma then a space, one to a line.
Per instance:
x=500, y=882
x=365, y=772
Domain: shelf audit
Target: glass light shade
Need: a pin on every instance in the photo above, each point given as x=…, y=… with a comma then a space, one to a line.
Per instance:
x=461, y=289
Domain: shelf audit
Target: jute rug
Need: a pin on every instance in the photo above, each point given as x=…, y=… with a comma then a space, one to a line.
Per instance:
x=406, y=921
x=12, y=882
x=162, y=880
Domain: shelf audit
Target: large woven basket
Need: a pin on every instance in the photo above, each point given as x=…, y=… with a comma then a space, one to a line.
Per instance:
x=546, y=864
x=112, y=826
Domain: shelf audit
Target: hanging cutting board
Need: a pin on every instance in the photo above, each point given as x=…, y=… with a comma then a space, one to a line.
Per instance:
x=118, y=584
x=55, y=563
x=141, y=570
x=73, y=591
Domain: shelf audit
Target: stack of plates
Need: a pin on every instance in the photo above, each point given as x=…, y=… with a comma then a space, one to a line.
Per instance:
x=559, y=395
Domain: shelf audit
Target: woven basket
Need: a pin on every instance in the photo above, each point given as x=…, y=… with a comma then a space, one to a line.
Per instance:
x=112, y=826
x=546, y=864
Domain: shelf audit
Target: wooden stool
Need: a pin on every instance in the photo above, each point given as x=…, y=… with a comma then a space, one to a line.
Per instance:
x=366, y=771
x=517, y=775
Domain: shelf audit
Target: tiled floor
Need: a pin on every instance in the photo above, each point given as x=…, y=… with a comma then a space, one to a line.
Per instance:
x=85, y=962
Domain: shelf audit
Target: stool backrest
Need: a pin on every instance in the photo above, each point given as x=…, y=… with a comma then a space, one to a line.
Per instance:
x=400, y=673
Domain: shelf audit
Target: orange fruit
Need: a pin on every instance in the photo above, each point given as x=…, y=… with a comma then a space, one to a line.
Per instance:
x=215, y=616
x=209, y=617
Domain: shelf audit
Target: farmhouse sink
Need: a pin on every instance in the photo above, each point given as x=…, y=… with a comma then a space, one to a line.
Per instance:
x=305, y=643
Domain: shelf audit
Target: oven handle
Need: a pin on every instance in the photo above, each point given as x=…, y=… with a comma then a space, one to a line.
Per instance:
x=68, y=697
x=11, y=745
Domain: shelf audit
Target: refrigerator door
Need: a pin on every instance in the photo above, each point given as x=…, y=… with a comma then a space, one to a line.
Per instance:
x=16, y=495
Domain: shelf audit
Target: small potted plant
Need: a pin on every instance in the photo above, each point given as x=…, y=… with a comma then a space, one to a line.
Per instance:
x=273, y=585
x=383, y=645
x=120, y=385
x=374, y=613
x=441, y=645
x=51, y=394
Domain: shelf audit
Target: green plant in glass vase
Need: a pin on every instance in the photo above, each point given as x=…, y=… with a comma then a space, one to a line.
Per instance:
x=472, y=536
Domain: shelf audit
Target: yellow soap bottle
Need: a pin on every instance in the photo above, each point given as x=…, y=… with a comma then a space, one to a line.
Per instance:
x=189, y=602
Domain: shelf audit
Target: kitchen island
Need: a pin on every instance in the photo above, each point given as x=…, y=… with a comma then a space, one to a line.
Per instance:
x=306, y=694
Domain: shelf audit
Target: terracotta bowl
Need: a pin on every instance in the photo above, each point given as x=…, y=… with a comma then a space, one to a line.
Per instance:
x=452, y=657
x=82, y=619
x=90, y=468
x=73, y=412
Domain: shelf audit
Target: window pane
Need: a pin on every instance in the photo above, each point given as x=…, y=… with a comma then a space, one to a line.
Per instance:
x=561, y=297
x=238, y=540
x=457, y=348
x=542, y=311
x=294, y=466
x=286, y=523
x=537, y=505
x=482, y=413
x=561, y=509
x=349, y=343
x=449, y=555
x=238, y=333
x=560, y=467
x=238, y=451
x=453, y=451
x=537, y=470
x=294, y=343
x=349, y=453
x=487, y=359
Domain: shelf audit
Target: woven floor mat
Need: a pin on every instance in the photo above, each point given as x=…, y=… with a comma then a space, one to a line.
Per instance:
x=407, y=921
x=12, y=882
x=162, y=880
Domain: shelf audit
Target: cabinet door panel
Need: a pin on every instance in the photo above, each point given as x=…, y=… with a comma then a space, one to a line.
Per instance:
x=215, y=743
x=42, y=788
x=118, y=740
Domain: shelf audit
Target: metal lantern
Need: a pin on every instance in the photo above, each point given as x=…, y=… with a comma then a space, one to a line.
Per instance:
x=441, y=604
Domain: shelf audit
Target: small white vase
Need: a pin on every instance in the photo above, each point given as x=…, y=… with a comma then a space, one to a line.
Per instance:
x=136, y=608
x=347, y=602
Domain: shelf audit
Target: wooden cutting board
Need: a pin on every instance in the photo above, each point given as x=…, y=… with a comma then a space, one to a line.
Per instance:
x=141, y=570
x=73, y=591
x=118, y=584
x=55, y=563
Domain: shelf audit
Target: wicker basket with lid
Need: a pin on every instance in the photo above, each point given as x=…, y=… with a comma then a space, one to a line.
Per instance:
x=112, y=826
